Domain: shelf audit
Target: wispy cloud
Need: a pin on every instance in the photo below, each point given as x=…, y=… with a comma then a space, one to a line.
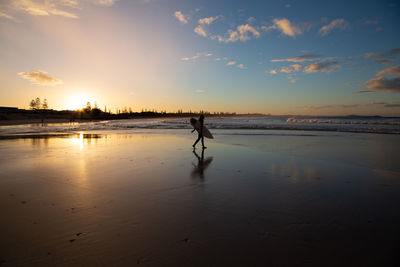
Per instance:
x=318, y=107
x=387, y=105
x=335, y=24
x=198, y=55
x=297, y=67
x=100, y=2
x=368, y=21
x=39, y=78
x=5, y=15
x=202, y=28
x=45, y=8
x=241, y=66
x=302, y=58
x=230, y=63
x=272, y=72
x=286, y=27
x=190, y=58
x=386, y=58
x=200, y=31
x=395, y=70
x=208, y=20
x=327, y=66
x=384, y=84
x=242, y=33
x=182, y=18
x=288, y=69
x=199, y=91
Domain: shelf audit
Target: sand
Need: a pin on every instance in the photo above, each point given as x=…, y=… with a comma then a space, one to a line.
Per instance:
x=145, y=198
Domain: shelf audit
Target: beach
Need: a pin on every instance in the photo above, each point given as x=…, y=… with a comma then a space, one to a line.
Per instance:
x=252, y=198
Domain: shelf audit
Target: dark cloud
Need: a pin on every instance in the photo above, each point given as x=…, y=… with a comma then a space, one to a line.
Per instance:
x=386, y=58
x=384, y=84
x=326, y=66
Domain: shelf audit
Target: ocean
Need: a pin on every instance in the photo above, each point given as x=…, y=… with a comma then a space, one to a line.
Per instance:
x=355, y=124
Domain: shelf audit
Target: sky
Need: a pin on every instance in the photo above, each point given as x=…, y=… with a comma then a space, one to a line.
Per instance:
x=273, y=57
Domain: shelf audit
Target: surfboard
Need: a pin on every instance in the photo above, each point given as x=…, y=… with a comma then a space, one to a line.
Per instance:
x=196, y=125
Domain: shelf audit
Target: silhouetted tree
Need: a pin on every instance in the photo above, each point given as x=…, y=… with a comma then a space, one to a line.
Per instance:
x=32, y=104
x=37, y=103
x=45, y=105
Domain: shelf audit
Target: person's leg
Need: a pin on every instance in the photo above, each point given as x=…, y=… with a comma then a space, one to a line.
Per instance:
x=198, y=139
x=202, y=142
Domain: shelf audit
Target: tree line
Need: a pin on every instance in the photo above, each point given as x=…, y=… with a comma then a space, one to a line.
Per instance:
x=37, y=104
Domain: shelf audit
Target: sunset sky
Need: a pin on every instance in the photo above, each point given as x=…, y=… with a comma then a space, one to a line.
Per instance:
x=278, y=57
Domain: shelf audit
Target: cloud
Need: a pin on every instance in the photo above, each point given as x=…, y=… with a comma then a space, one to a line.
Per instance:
x=386, y=105
x=327, y=66
x=241, y=66
x=384, y=84
x=5, y=15
x=329, y=106
x=390, y=71
x=286, y=27
x=307, y=57
x=200, y=31
x=40, y=78
x=199, y=91
x=45, y=8
x=208, y=20
x=230, y=63
x=374, y=22
x=241, y=33
x=337, y=23
x=291, y=68
x=297, y=67
x=190, y=58
x=198, y=55
x=105, y=2
x=272, y=72
x=386, y=58
x=286, y=70
x=182, y=18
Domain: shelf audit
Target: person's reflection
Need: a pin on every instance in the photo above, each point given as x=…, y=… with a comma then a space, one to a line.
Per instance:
x=202, y=164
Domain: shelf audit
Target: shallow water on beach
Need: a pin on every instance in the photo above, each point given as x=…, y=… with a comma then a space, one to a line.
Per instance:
x=251, y=198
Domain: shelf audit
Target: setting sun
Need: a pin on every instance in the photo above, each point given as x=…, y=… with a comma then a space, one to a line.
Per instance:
x=78, y=101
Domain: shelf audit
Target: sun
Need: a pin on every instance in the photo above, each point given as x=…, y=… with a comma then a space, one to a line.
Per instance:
x=77, y=101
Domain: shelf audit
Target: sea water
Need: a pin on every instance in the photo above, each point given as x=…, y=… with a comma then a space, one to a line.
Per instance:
x=356, y=124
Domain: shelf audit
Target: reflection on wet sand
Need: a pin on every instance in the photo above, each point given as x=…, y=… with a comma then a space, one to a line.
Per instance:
x=202, y=165
x=124, y=199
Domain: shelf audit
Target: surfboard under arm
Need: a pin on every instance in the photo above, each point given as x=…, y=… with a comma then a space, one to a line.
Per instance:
x=196, y=125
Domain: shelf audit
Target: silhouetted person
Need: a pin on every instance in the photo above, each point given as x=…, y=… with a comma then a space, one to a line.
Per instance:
x=201, y=120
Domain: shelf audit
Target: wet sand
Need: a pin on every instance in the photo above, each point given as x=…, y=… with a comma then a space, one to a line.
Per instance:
x=255, y=198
